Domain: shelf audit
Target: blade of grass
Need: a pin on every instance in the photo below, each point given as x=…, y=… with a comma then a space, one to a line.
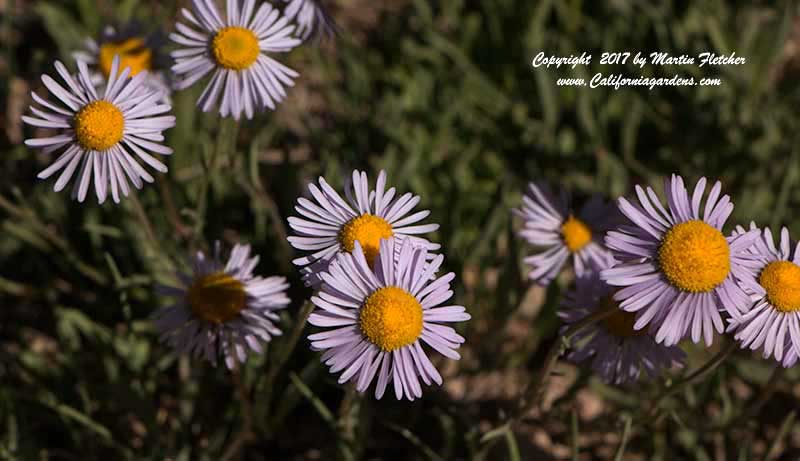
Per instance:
x=575, y=432
x=315, y=401
x=786, y=426
x=626, y=432
x=414, y=440
x=511, y=445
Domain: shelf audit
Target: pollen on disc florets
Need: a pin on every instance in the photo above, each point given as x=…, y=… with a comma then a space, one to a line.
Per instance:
x=216, y=298
x=391, y=318
x=694, y=256
x=781, y=280
x=576, y=234
x=132, y=53
x=235, y=48
x=368, y=230
x=99, y=125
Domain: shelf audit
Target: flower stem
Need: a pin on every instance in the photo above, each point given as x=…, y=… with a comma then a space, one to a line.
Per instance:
x=765, y=394
x=291, y=340
x=246, y=434
x=532, y=396
x=349, y=412
x=141, y=215
x=695, y=376
x=282, y=355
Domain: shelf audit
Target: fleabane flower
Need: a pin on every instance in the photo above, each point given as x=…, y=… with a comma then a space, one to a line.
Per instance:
x=677, y=268
x=563, y=234
x=331, y=225
x=103, y=134
x=312, y=18
x=618, y=352
x=377, y=318
x=222, y=309
x=236, y=50
x=137, y=51
x=772, y=320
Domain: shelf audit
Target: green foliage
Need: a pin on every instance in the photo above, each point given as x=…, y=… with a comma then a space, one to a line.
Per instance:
x=441, y=95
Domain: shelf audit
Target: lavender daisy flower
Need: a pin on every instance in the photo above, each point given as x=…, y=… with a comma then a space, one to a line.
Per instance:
x=312, y=18
x=376, y=319
x=618, y=352
x=677, y=268
x=550, y=224
x=332, y=225
x=222, y=309
x=236, y=51
x=772, y=320
x=98, y=131
x=136, y=50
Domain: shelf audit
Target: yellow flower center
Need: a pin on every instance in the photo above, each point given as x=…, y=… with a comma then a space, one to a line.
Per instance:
x=781, y=280
x=132, y=54
x=99, y=125
x=235, y=48
x=216, y=298
x=694, y=256
x=368, y=230
x=576, y=234
x=391, y=318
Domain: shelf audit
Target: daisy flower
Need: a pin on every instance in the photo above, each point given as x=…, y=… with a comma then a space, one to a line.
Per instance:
x=311, y=17
x=551, y=224
x=100, y=132
x=333, y=225
x=618, y=352
x=677, y=268
x=772, y=320
x=136, y=50
x=376, y=319
x=222, y=309
x=236, y=51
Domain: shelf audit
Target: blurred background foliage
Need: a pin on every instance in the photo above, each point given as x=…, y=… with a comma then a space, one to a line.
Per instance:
x=441, y=95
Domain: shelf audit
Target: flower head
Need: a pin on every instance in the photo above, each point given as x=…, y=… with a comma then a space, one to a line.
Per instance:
x=563, y=234
x=222, y=309
x=618, y=352
x=312, y=18
x=137, y=50
x=377, y=317
x=333, y=225
x=771, y=321
x=236, y=50
x=677, y=268
x=101, y=133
